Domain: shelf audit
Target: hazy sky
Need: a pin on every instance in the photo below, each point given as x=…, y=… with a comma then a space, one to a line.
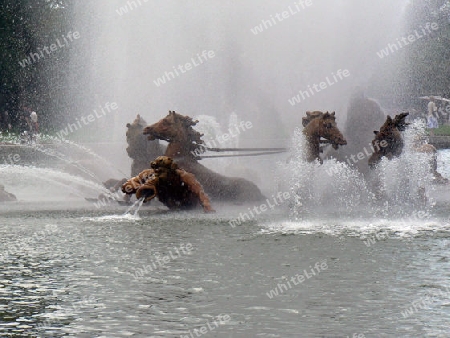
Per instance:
x=252, y=74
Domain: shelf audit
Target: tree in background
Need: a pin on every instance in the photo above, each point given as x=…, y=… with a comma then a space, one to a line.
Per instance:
x=26, y=27
x=420, y=68
x=427, y=68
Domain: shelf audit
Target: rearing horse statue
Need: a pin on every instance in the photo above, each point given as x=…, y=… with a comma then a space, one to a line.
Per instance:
x=318, y=125
x=184, y=143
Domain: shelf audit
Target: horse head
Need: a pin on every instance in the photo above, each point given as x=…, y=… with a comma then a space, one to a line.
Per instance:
x=323, y=126
x=400, y=121
x=177, y=130
x=169, y=128
x=310, y=115
x=329, y=131
x=388, y=141
x=136, y=141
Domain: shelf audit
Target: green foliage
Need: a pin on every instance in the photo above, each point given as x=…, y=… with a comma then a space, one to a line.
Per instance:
x=442, y=131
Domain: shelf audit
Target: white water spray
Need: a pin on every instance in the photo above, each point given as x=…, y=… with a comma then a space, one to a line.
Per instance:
x=138, y=204
x=394, y=188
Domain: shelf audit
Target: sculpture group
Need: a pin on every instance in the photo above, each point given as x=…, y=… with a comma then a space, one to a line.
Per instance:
x=179, y=181
x=184, y=142
x=180, y=185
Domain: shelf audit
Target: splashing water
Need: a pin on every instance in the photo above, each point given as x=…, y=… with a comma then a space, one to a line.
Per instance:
x=138, y=204
x=33, y=183
x=82, y=149
x=406, y=181
x=113, y=218
x=394, y=188
x=127, y=216
x=213, y=136
x=74, y=157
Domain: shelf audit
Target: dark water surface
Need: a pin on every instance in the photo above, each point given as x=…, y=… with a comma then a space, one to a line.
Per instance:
x=89, y=273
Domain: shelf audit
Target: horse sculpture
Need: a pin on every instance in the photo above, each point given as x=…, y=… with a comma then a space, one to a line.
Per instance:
x=184, y=144
x=390, y=135
x=388, y=142
x=174, y=187
x=363, y=114
x=320, y=128
x=139, y=149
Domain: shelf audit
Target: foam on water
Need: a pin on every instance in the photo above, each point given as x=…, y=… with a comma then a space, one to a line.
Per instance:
x=126, y=217
x=333, y=186
x=390, y=228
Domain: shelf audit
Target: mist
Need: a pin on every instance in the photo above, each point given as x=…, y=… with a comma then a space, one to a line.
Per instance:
x=126, y=46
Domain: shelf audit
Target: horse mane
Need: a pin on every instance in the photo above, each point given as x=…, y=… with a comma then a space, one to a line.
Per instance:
x=138, y=121
x=390, y=132
x=195, y=143
x=315, y=115
x=311, y=116
x=400, y=121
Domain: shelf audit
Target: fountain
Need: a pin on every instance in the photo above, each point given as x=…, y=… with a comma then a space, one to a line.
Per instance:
x=335, y=250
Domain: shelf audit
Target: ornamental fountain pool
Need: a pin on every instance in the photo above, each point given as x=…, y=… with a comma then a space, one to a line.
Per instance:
x=331, y=260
